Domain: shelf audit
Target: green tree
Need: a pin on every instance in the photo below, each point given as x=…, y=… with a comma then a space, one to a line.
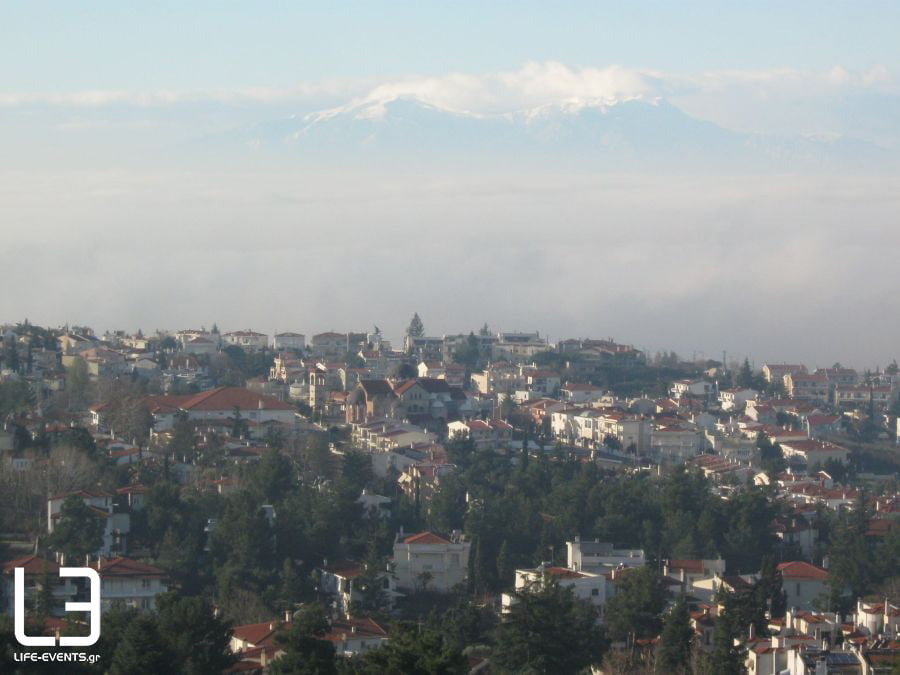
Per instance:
x=548, y=630
x=852, y=571
x=239, y=426
x=413, y=650
x=727, y=658
x=674, y=652
x=745, y=375
x=416, y=327
x=272, y=477
x=43, y=603
x=505, y=569
x=79, y=529
x=306, y=651
x=198, y=640
x=15, y=397
x=114, y=623
x=634, y=611
x=142, y=650
x=181, y=445
x=405, y=371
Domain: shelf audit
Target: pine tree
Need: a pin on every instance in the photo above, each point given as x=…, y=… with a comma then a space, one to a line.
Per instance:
x=305, y=648
x=416, y=327
x=142, y=650
x=745, y=376
x=505, y=569
x=412, y=650
x=727, y=658
x=78, y=532
x=42, y=600
x=199, y=640
x=548, y=630
x=674, y=652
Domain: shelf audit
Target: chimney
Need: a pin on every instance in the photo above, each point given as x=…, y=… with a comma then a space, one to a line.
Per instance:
x=752, y=632
x=288, y=616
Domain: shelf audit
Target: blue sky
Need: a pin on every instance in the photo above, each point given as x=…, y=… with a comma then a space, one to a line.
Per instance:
x=63, y=46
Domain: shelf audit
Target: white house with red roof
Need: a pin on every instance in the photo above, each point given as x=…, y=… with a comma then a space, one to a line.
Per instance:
x=428, y=560
x=256, y=648
x=35, y=568
x=130, y=583
x=812, y=452
x=802, y=582
x=806, y=387
x=353, y=636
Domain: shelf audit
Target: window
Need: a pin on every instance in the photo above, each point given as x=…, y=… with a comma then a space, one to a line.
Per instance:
x=595, y=591
x=145, y=583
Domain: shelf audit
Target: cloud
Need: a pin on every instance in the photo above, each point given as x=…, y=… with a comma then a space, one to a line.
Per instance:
x=532, y=86
x=163, y=98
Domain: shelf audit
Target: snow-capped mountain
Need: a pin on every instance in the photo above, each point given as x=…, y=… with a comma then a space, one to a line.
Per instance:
x=607, y=134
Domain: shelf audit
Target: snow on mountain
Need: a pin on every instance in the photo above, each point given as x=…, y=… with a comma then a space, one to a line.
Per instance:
x=607, y=134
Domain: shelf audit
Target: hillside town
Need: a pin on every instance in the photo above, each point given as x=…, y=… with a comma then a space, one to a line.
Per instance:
x=480, y=502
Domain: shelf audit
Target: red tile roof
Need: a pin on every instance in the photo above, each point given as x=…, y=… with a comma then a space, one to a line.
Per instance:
x=800, y=570
x=257, y=634
x=563, y=573
x=364, y=627
x=348, y=569
x=228, y=398
x=33, y=564
x=425, y=538
x=126, y=567
x=84, y=494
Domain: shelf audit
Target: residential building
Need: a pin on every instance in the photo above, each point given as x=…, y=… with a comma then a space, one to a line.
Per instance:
x=292, y=341
x=775, y=372
x=803, y=583
x=36, y=570
x=598, y=556
x=518, y=346
x=428, y=560
x=130, y=583
x=593, y=587
x=813, y=453
x=484, y=433
x=329, y=344
x=339, y=581
x=804, y=387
